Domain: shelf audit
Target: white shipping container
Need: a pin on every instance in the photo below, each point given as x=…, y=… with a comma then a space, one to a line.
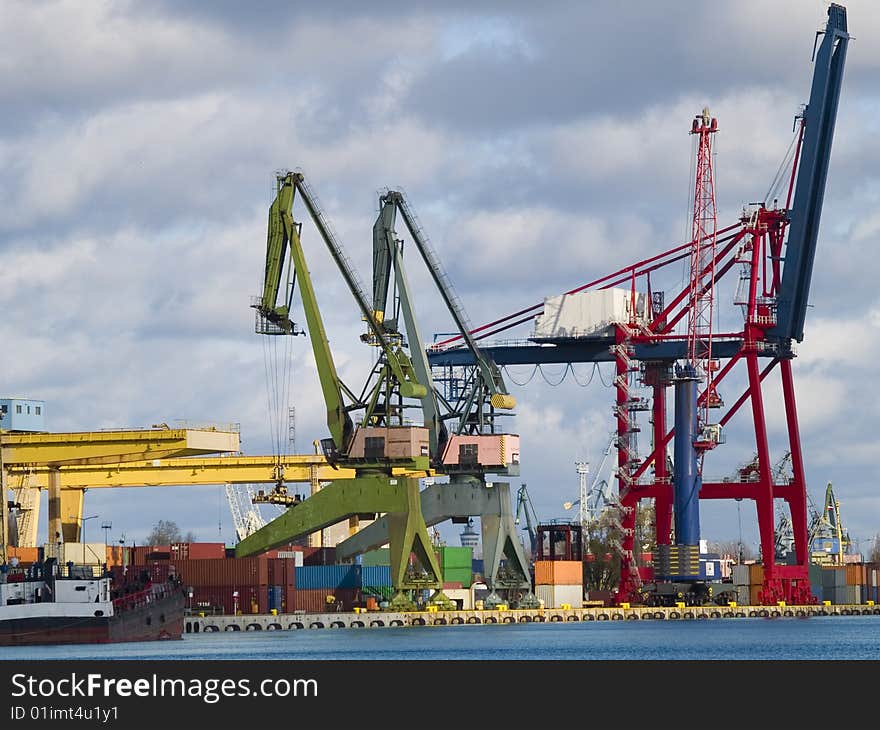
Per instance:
x=83, y=553
x=589, y=313
x=555, y=596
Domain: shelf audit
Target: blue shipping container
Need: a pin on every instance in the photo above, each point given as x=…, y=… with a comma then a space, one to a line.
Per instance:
x=376, y=576
x=477, y=566
x=328, y=576
x=275, y=597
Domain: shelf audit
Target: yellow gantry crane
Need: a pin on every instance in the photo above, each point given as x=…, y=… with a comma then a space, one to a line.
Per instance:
x=42, y=460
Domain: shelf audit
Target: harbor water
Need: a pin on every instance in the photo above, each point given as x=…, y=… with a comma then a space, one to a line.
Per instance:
x=818, y=638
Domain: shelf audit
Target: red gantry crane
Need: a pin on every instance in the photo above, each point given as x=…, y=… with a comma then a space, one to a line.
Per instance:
x=773, y=247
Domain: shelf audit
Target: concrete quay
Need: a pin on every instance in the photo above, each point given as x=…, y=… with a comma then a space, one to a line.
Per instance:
x=381, y=619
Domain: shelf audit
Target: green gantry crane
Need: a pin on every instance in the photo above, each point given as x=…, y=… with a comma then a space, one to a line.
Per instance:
x=469, y=447
x=387, y=455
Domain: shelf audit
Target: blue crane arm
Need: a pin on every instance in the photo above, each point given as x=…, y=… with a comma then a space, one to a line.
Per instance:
x=819, y=120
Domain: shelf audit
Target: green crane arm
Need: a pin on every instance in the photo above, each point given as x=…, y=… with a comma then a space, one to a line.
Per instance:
x=489, y=370
x=284, y=233
x=397, y=360
x=385, y=251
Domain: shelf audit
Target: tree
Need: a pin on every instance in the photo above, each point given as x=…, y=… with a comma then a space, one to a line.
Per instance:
x=166, y=531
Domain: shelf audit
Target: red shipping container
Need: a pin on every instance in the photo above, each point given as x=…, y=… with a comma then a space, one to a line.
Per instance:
x=319, y=556
x=281, y=572
x=197, y=550
x=140, y=553
x=232, y=572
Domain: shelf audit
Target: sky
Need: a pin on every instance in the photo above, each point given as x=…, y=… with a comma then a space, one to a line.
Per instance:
x=541, y=146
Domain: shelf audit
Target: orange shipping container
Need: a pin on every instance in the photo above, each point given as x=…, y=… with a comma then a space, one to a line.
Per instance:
x=25, y=555
x=753, y=595
x=855, y=574
x=756, y=575
x=314, y=600
x=559, y=572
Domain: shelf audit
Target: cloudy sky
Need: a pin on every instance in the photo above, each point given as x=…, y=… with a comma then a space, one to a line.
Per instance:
x=541, y=145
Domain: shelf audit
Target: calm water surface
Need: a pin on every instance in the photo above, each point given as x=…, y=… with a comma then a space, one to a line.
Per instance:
x=815, y=638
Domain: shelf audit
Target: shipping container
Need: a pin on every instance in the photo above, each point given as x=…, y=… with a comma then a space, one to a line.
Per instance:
x=477, y=566
x=381, y=556
x=741, y=574
x=329, y=576
x=26, y=556
x=554, y=596
x=559, y=572
x=281, y=572
x=833, y=576
x=319, y=556
x=378, y=576
x=756, y=574
x=140, y=553
x=460, y=575
x=197, y=550
x=855, y=574
x=743, y=595
x=224, y=572
x=455, y=557
x=315, y=600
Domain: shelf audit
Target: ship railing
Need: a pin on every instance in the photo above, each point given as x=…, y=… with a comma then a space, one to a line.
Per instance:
x=153, y=593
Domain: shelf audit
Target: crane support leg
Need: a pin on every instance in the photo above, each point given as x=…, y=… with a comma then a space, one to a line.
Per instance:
x=772, y=588
x=71, y=514
x=55, y=512
x=458, y=499
x=800, y=592
x=397, y=497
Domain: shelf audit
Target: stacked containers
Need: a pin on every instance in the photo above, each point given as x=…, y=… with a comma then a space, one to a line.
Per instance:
x=748, y=579
x=559, y=582
x=317, y=583
x=218, y=580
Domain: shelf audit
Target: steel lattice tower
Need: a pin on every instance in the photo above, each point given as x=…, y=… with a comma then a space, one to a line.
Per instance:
x=702, y=261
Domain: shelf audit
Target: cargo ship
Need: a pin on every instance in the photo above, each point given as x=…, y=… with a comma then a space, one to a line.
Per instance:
x=51, y=604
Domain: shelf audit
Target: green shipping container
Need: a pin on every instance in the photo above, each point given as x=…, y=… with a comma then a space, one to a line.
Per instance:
x=458, y=575
x=456, y=557
x=376, y=557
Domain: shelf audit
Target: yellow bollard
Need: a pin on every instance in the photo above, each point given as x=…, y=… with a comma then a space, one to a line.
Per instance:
x=826, y=603
x=624, y=605
x=274, y=611
x=732, y=604
x=780, y=603
x=679, y=604
x=870, y=603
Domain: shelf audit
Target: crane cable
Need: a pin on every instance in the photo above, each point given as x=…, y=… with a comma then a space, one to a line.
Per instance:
x=278, y=366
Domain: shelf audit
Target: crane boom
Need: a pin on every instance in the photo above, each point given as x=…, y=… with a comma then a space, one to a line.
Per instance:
x=397, y=360
x=819, y=120
x=500, y=398
x=284, y=233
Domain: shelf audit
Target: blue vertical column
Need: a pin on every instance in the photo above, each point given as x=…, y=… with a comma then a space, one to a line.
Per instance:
x=686, y=480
